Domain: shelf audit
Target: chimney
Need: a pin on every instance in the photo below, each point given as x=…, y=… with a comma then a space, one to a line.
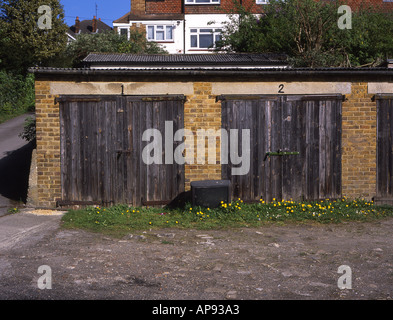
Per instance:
x=138, y=7
x=94, y=24
x=77, y=25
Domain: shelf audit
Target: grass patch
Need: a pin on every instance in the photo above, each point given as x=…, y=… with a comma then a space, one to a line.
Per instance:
x=121, y=219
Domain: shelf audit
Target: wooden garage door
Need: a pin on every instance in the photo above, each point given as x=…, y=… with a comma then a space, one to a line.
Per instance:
x=101, y=149
x=384, y=149
x=287, y=125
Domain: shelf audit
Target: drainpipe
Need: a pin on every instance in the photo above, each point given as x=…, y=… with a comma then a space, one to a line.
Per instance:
x=184, y=36
x=183, y=11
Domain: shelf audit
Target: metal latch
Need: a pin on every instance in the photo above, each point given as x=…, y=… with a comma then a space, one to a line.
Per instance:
x=280, y=153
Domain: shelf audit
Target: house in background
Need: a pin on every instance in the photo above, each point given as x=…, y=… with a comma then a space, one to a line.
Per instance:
x=86, y=27
x=193, y=26
x=181, y=26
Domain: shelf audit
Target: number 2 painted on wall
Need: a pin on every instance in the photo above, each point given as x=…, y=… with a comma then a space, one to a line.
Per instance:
x=280, y=87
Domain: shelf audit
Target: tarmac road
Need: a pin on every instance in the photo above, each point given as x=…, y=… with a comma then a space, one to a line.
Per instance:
x=15, y=158
x=279, y=262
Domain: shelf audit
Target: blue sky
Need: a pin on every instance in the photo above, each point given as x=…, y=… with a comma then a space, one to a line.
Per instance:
x=108, y=10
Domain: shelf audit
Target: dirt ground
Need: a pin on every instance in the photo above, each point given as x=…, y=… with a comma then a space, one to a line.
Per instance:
x=271, y=262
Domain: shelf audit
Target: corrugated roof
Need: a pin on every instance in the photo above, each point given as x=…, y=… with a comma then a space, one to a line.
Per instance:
x=189, y=59
x=205, y=71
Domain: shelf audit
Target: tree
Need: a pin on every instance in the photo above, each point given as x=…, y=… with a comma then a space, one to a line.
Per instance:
x=307, y=31
x=112, y=42
x=369, y=42
x=242, y=32
x=23, y=43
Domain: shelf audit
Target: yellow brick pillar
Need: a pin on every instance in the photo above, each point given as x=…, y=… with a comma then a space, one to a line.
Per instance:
x=202, y=112
x=359, y=121
x=48, y=146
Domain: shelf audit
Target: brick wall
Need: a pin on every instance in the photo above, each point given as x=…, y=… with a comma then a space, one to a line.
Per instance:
x=163, y=6
x=201, y=111
x=175, y=6
x=138, y=7
x=359, y=121
x=48, y=146
x=225, y=7
x=141, y=28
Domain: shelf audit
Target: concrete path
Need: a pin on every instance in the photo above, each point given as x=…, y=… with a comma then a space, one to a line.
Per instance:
x=25, y=228
x=15, y=157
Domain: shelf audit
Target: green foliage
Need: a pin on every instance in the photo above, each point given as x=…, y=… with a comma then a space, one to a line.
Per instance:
x=294, y=27
x=111, y=42
x=29, y=130
x=139, y=44
x=16, y=94
x=369, y=41
x=242, y=32
x=13, y=210
x=22, y=43
x=307, y=31
x=10, y=90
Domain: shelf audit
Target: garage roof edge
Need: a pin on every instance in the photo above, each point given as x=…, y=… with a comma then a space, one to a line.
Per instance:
x=212, y=71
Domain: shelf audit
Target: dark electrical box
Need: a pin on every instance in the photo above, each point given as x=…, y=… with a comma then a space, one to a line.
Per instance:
x=210, y=193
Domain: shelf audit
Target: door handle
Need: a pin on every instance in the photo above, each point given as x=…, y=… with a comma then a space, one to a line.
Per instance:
x=279, y=153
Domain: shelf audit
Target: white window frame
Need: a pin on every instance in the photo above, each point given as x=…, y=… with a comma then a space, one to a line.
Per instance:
x=164, y=26
x=199, y=32
x=124, y=28
x=262, y=1
x=199, y=2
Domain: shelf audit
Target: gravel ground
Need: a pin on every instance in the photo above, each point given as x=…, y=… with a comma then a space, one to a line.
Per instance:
x=293, y=261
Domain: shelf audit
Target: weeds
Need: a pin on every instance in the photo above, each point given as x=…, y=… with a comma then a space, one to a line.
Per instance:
x=121, y=219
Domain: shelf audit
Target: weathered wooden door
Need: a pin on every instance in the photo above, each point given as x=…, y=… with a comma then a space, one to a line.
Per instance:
x=101, y=149
x=295, y=146
x=384, y=149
